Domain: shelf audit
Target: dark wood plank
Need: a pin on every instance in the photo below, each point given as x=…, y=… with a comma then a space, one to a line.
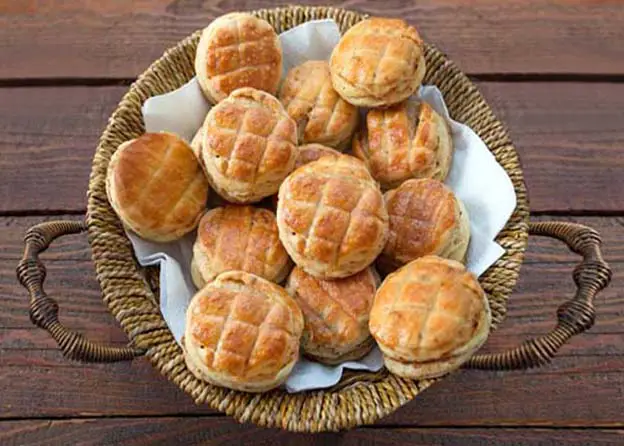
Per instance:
x=48, y=137
x=38, y=382
x=572, y=391
x=31, y=366
x=12, y=233
x=571, y=151
x=541, y=249
x=114, y=39
x=568, y=136
x=544, y=249
x=219, y=430
x=541, y=288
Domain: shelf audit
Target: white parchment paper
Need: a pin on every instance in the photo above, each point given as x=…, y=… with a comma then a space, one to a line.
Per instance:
x=475, y=177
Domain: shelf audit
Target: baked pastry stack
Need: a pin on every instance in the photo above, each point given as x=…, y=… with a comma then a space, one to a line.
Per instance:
x=245, y=327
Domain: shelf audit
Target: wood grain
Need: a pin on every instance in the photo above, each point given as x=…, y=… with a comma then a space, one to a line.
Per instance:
x=222, y=431
x=570, y=148
x=541, y=289
x=76, y=39
x=48, y=137
x=541, y=249
x=568, y=136
x=545, y=249
x=69, y=247
x=572, y=391
x=30, y=364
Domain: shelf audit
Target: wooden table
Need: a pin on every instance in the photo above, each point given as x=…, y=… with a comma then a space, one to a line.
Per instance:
x=553, y=71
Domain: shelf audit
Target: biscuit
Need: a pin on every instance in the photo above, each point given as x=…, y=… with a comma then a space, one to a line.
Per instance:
x=426, y=218
x=429, y=317
x=331, y=217
x=322, y=116
x=240, y=238
x=335, y=314
x=378, y=62
x=242, y=332
x=238, y=50
x=249, y=146
x=156, y=186
x=408, y=140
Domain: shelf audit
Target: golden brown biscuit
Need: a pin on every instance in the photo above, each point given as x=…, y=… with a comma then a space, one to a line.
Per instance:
x=242, y=332
x=408, y=140
x=238, y=50
x=378, y=62
x=157, y=186
x=331, y=217
x=429, y=317
x=306, y=154
x=426, y=218
x=238, y=238
x=249, y=146
x=322, y=116
x=335, y=314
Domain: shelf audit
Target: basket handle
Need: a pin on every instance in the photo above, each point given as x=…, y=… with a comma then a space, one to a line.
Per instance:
x=574, y=316
x=44, y=310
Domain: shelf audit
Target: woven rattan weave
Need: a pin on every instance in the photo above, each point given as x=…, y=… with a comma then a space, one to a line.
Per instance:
x=131, y=293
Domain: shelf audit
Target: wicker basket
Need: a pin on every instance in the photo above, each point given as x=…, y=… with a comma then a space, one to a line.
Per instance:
x=131, y=292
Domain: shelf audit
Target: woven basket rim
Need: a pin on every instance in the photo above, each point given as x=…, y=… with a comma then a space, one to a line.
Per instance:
x=126, y=290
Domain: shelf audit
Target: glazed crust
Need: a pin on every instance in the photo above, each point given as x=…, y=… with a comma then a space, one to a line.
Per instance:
x=331, y=217
x=335, y=314
x=378, y=62
x=238, y=238
x=156, y=186
x=306, y=154
x=426, y=218
x=242, y=332
x=429, y=317
x=249, y=146
x=408, y=140
x=322, y=116
x=238, y=50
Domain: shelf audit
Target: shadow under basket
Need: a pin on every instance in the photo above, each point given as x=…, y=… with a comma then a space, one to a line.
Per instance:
x=131, y=292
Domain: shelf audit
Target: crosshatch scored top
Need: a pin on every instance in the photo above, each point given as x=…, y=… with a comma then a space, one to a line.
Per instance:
x=330, y=211
x=243, y=52
x=384, y=48
x=223, y=316
x=248, y=139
